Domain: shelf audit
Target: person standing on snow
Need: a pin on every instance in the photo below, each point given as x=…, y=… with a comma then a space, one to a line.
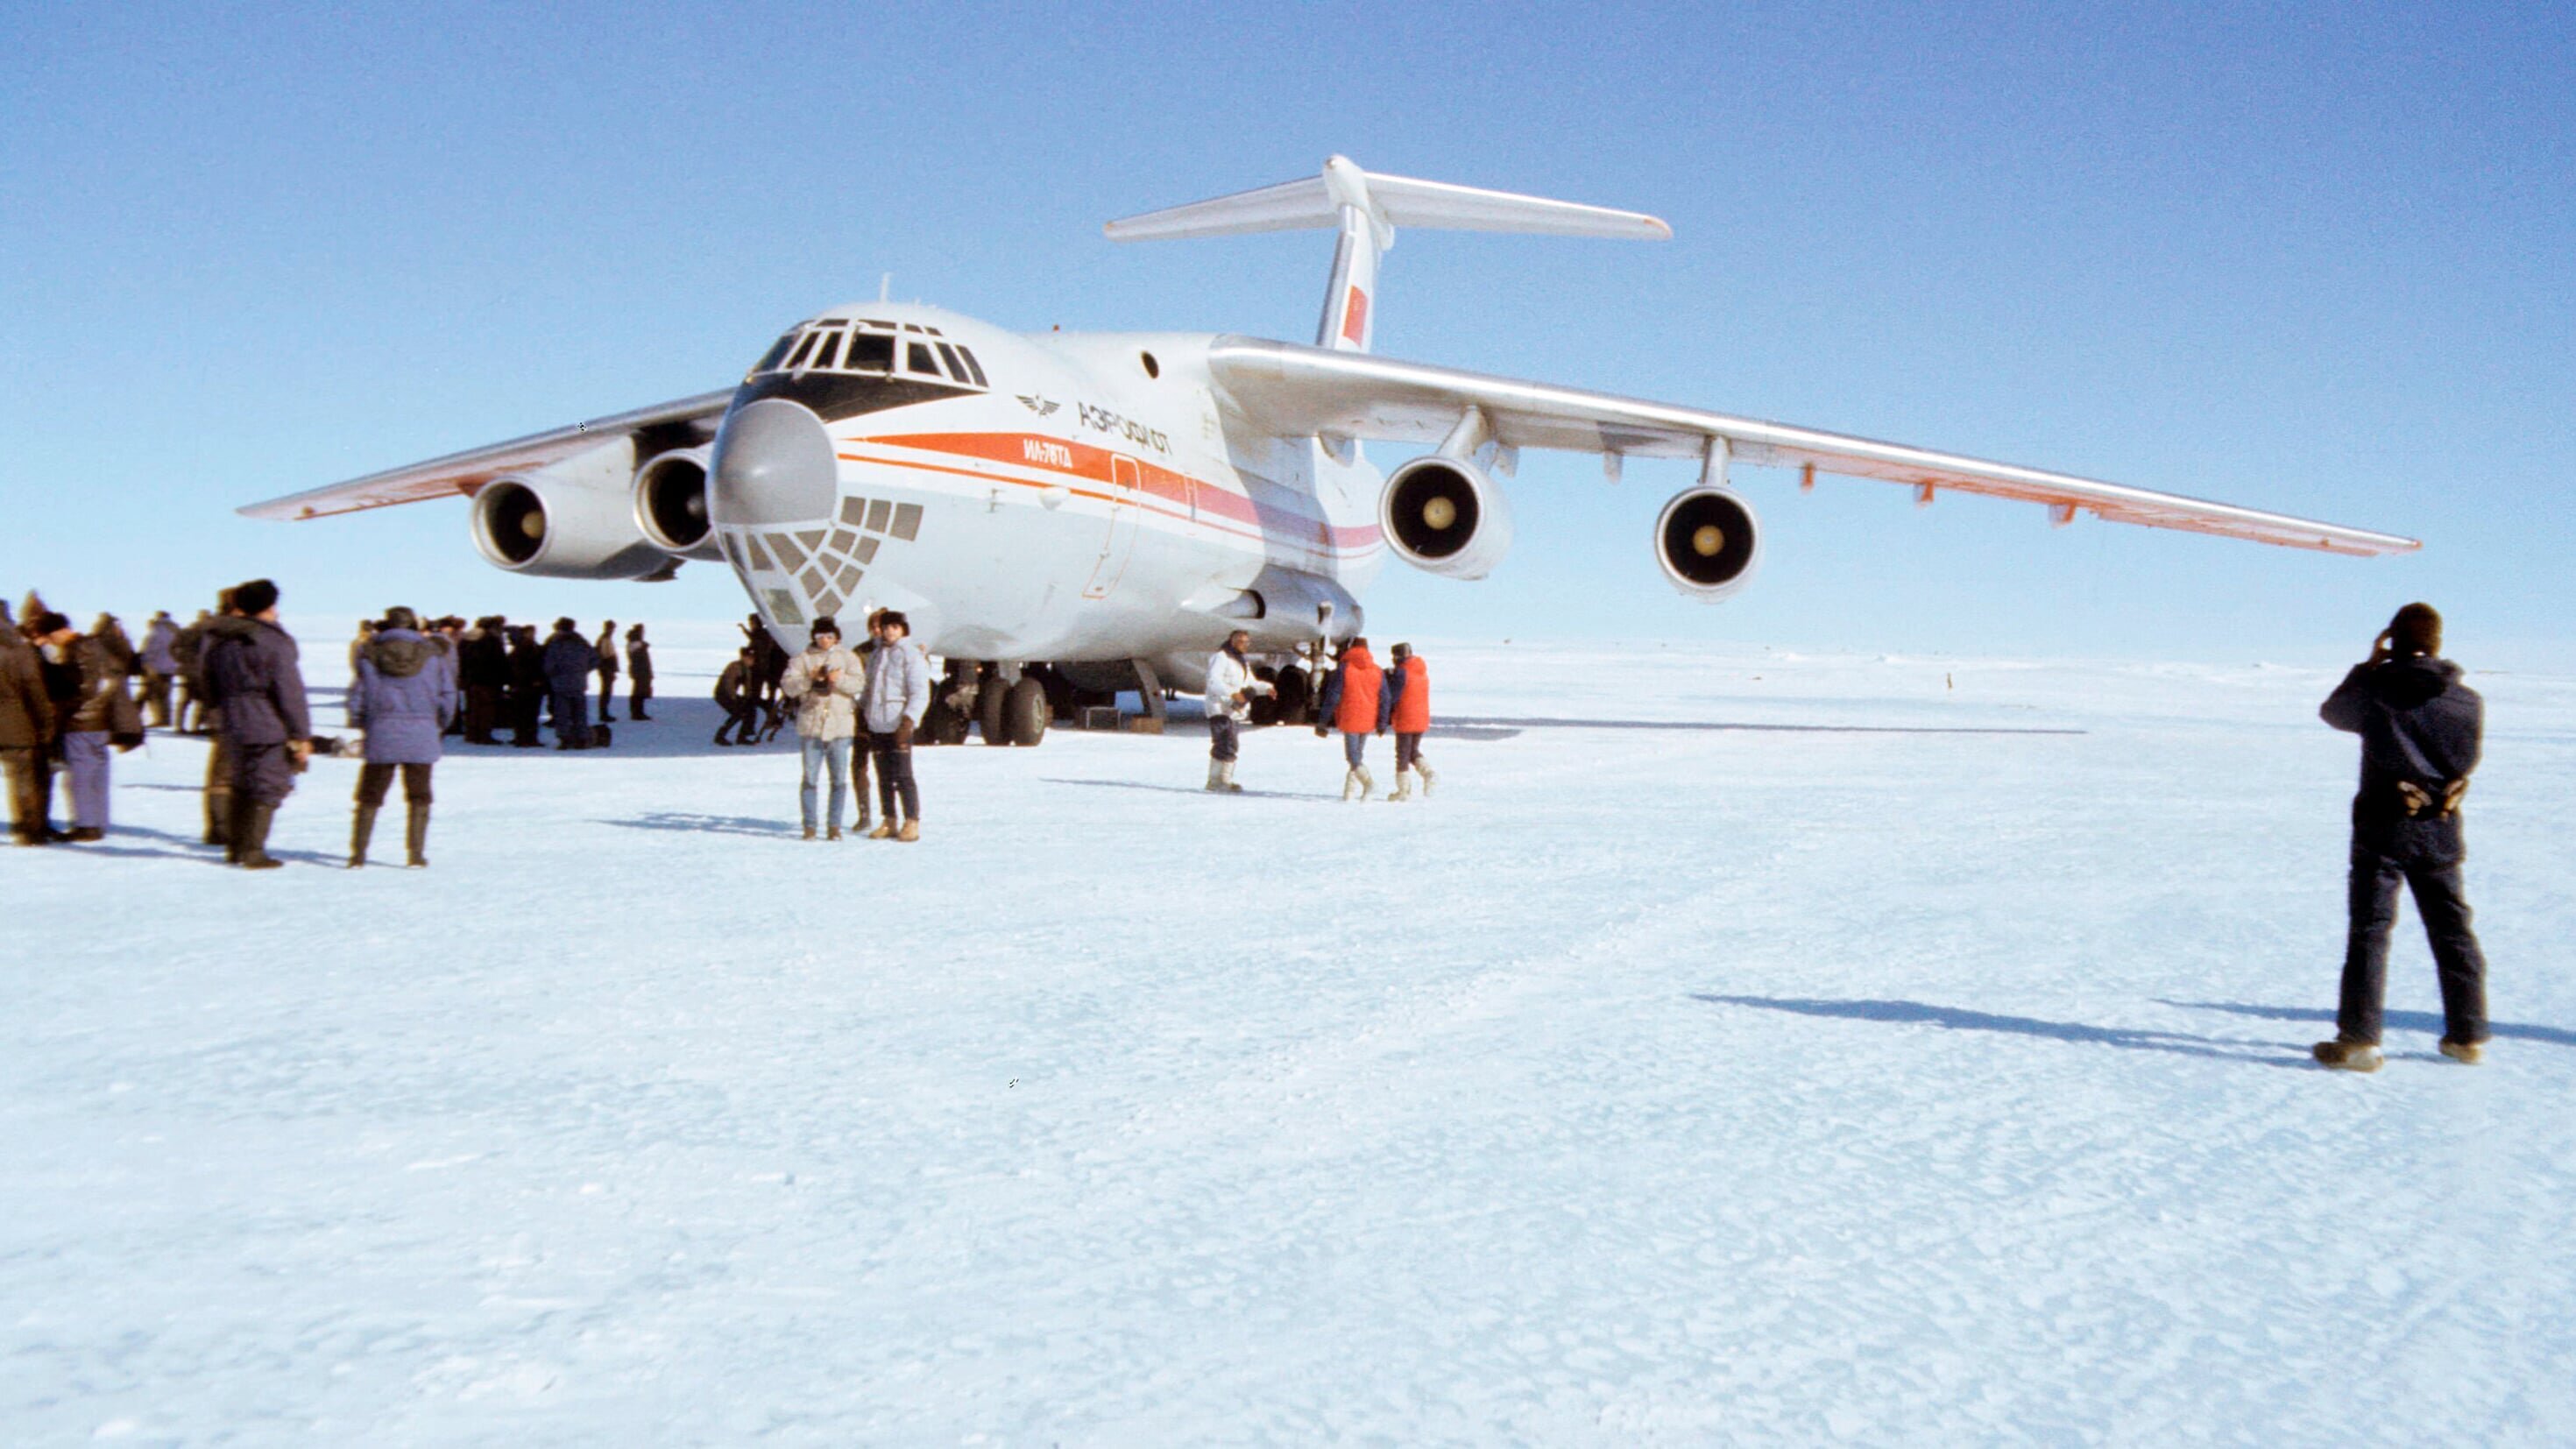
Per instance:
x=897, y=694
x=569, y=661
x=1408, y=714
x=639, y=674
x=1230, y=688
x=2421, y=732
x=26, y=732
x=403, y=695
x=160, y=666
x=821, y=684
x=607, y=647
x=255, y=681
x=1355, y=702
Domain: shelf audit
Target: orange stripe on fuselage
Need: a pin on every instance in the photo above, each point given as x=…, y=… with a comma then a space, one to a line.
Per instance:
x=1185, y=498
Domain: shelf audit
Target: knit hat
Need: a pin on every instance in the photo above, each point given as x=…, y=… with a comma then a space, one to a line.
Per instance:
x=256, y=597
x=2417, y=629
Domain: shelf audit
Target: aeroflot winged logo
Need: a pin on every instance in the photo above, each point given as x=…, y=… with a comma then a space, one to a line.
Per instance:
x=1040, y=406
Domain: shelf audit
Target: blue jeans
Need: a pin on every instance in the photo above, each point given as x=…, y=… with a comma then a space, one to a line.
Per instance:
x=85, y=760
x=819, y=754
x=1354, y=749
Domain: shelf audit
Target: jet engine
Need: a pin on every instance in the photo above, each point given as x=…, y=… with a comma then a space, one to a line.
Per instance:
x=569, y=520
x=1707, y=542
x=1445, y=516
x=671, y=504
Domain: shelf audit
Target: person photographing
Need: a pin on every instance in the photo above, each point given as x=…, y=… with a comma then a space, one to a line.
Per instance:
x=2421, y=733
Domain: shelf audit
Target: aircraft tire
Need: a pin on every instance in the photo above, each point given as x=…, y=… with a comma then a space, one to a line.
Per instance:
x=992, y=709
x=1025, y=711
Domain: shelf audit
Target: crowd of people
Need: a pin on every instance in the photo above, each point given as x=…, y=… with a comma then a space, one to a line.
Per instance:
x=70, y=700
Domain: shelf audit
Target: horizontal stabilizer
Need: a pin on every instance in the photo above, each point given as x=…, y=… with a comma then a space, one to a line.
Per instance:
x=1392, y=201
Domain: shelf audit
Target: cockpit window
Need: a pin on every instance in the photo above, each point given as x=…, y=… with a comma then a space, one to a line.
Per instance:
x=818, y=347
x=870, y=352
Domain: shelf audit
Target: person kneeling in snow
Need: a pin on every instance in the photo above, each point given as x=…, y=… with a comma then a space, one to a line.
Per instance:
x=1355, y=702
x=2421, y=730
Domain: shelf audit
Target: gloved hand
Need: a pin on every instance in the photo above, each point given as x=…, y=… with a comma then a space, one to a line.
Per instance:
x=903, y=734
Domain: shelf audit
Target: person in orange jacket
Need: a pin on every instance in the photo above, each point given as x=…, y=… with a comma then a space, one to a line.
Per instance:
x=1408, y=707
x=1355, y=702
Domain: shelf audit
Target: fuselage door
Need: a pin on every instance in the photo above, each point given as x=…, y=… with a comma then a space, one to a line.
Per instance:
x=1121, y=539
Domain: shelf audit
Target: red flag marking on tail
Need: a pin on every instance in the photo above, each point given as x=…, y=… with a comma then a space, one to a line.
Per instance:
x=1355, y=317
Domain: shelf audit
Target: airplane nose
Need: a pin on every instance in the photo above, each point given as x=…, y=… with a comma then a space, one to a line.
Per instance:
x=773, y=464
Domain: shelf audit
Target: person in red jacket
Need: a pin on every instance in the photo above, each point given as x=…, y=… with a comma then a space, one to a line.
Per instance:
x=1355, y=702
x=1408, y=707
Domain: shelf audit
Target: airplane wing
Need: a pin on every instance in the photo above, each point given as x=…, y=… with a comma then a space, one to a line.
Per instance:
x=1293, y=390
x=687, y=421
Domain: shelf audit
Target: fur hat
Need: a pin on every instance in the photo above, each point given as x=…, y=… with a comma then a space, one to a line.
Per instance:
x=399, y=617
x=2417, y=629
x=256, y=597
x=1403, y=652
x=822, y=626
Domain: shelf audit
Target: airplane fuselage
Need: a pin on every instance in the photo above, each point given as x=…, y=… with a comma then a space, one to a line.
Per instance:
x=1058, y=497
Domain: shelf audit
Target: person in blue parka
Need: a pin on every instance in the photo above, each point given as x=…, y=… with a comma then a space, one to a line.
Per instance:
x=403, y=696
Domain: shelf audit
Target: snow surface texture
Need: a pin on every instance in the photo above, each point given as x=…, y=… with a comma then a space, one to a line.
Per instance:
x=1855, y=1070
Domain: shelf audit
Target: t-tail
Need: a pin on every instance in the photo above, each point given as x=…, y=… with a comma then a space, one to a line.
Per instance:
x=1367, y=207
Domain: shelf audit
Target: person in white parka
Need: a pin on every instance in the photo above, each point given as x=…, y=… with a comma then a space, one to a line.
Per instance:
x=1230, y=688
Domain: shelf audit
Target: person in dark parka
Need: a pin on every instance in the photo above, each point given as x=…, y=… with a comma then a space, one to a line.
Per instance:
x=483, y=669
x=402, y=699
x=255, y=680
x=26, y=730
x=639, y=674
x=2421, y=732
x=527, y=686
x=570, y=660
x=607, y=647
x=733, y=696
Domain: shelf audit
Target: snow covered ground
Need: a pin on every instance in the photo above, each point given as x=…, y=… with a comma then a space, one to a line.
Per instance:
x=1739, y=1047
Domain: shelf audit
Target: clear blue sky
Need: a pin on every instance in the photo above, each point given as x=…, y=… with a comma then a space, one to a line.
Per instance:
x=2316, y=259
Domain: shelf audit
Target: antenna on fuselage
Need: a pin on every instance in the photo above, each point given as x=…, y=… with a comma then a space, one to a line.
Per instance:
x=885, y=287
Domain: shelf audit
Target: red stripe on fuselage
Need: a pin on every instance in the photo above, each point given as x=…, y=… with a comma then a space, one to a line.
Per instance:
x=1182, y=497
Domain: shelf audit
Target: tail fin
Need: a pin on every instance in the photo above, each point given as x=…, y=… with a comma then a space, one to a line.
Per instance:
x=1368, y=207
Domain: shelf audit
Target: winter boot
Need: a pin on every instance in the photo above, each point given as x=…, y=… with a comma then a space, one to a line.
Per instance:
x=238, y=810
x=2466, y=1053
x=1403, y=787
x=1231, y=788
x=911, y=831
x=362, y=829
x=1428, y=778
x=832, y=834
x=1216, y=775
x=809, y=832
x=2347, y=1056
x=882, y=832
x=1358, y=779
x=219, y=819
x=416, y=837
x=250, y=840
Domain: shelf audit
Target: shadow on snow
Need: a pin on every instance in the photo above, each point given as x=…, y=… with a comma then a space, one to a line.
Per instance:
x=1951, y=1018
x=2423, y=1021
x=1738, y=725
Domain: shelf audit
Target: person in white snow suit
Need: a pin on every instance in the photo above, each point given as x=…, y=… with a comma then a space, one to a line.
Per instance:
x=896, y=696
x=2421, y=733
x=1229, y=691
x=821, y=686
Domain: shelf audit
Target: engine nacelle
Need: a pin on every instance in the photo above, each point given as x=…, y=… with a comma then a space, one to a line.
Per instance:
x=1446, y=517
x=569, y=520
x=671, y=504
x=1708, y=543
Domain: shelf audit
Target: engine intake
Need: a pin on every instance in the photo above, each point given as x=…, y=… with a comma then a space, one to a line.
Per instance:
x=1445, y=517
x=1708, y=543
x=671, y=504
x=570, y=520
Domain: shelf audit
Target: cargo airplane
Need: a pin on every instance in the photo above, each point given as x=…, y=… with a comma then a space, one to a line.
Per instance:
x=1062, y=512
